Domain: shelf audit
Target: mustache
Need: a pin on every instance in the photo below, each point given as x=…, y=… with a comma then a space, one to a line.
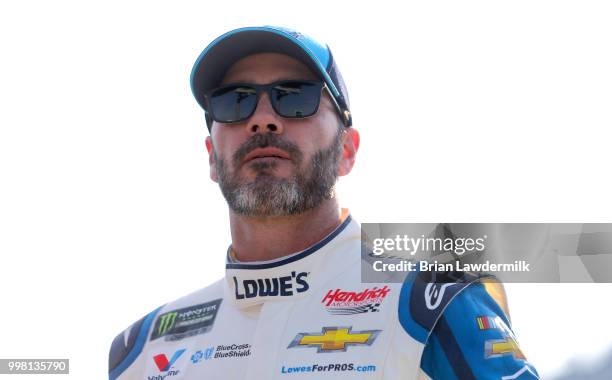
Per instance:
x=265, y=140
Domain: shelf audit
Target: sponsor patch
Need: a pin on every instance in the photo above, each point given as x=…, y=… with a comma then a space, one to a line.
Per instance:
x=165, y=366
x=222, y=351
x=434, y=294
x=200, y=355
x=339, y=302
x=329, y=367
x=284, y=286
x=495, y=348
x=162, y=362
x=334, y=339
x=487, y=323
x=186, y=322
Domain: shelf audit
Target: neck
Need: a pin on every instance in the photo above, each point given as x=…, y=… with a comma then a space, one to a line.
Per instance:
x=268, y=238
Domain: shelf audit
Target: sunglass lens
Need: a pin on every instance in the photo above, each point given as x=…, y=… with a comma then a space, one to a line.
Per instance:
x=234, y=103
x=296, y=99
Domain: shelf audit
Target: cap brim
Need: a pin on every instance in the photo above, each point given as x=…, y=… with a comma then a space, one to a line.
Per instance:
x=216, y=59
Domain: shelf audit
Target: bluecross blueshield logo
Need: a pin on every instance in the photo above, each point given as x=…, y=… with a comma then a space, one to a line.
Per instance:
x=199, y=355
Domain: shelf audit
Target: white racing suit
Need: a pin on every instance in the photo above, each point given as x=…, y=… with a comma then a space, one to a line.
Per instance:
x=308, y=315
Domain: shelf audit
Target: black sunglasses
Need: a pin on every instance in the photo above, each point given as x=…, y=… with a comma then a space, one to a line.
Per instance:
x=294, y=99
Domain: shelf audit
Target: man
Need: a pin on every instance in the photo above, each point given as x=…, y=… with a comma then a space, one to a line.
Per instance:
x=292, y=303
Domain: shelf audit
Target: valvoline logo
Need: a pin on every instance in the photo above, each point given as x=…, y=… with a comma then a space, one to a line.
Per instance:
x=162, y=361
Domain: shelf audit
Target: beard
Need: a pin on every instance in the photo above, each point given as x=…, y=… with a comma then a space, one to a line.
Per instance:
x=267, y=195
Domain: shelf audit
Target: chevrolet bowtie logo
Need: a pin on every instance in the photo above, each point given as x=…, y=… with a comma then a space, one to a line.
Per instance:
x=500, y=347
x=334, y=339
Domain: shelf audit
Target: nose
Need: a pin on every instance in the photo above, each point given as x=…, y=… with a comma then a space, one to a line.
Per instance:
x=265, y=119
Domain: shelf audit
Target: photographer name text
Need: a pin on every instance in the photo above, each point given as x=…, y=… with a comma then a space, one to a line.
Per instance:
x=422, y=266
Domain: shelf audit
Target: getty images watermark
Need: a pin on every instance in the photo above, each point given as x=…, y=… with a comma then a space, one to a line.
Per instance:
x=454, y=247
x=513, y=252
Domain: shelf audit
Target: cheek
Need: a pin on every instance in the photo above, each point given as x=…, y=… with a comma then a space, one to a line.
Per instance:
x=224, y=145
x=312, y=134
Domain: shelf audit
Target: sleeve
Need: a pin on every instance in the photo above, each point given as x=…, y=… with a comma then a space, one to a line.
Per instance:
x=473, y=340
x=127, y=346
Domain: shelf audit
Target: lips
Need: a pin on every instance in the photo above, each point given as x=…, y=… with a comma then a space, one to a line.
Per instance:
x=266, y=153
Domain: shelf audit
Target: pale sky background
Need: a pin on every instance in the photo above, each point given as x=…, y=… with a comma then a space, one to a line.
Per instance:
x=470, y=111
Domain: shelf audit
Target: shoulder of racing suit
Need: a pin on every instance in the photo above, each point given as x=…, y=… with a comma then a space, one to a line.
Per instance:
x=424, y=297
x=463, y=321
x=126, y=346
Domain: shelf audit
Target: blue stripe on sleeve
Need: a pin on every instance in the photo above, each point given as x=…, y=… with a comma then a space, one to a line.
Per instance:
x=138, y=346
x=460, y=349
x=434, y=362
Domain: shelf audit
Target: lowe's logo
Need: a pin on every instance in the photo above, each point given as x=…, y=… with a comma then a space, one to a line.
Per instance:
x=285, y=286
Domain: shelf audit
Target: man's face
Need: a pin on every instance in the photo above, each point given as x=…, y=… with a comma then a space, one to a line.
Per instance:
x=269, y=165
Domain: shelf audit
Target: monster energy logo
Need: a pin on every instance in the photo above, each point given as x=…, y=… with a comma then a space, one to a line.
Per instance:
x=185, y=322
x=166, y=322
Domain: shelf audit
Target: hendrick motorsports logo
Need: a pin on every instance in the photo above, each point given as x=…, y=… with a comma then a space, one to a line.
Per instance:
x=271, y=287
x=334, y=339
x=338, y=302
x=185, y=322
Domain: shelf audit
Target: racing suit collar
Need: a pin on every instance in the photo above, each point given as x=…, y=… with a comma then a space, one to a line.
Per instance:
x=290, y=276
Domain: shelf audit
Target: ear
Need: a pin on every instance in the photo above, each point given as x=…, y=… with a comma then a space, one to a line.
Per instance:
x=350, y=146
x=211, y=159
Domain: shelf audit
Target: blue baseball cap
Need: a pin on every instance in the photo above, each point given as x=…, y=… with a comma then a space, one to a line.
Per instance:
x=224, y=51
